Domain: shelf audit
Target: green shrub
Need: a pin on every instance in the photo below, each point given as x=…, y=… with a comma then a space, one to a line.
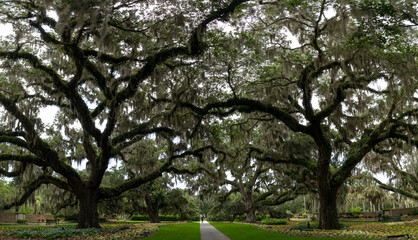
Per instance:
x=56, y=232
x=414, y=212
x=169, y=218
x=354, y=212
x=140, y=218
x=195, y=218
x=274, y=221
x=22, y=221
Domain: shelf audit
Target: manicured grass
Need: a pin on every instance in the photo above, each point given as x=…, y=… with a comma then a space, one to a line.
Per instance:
x=186, y=231
x=236, y=231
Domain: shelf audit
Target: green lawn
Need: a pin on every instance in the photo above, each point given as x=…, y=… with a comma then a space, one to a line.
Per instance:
x=187, y=231
x=237, y=231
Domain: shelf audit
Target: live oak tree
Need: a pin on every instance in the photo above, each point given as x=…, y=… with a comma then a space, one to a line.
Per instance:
x=349, y=84
x=100, y=64
x=259, y=184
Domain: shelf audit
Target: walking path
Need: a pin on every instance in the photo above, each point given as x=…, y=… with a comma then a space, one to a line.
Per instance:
x=208, y=232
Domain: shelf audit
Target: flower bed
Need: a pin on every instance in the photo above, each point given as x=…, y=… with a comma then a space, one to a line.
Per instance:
x=109, y=231
x=352, y=230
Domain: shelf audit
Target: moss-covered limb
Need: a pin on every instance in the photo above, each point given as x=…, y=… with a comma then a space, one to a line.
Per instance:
x=359, y=149
x=17, y=172
x=121, y=142
x=105, y=140
x=81, y=61
x=141, y=129
x=248, y=105
x=46, y=101
x=99, y=109
x=11, y=107
x=151, y=62
x=263, y=196
x=194, y=47
x=409, y=113
x=37, y=146
x=410, y=178
x=233, y=183
x=82, y=109
x=355, y=83
x=328, y=110
x=35, y=184
x=304, y=84
x=265, y=157
x=13, y=133
x=253, y=179
x=404, y=137
x=276, y=201
x=71, y=201
x=107, y=57
x=14, y=140
x=24, y=158
x=178, y=170
x=396, y=190
x=109, y=192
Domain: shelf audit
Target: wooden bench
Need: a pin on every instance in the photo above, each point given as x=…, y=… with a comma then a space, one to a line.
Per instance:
x=399, y=236
x=50, y=221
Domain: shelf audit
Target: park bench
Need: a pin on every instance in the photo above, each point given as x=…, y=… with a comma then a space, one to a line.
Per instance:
x=398, y=236
x=50, y=221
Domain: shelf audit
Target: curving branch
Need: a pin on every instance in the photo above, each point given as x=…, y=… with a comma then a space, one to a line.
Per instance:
x=35, y=184
x=396, y=190
x=265, y=157
x=109, y=192
x=13, y=140
x=24, y=158
x=246, y=105
x=82, y=109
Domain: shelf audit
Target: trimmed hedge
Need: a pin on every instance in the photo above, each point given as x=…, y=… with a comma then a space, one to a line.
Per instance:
x=169, y=218
x=274, y=221
x=22, y=221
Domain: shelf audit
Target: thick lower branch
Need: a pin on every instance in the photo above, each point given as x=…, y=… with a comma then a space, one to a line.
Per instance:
x=35, y=184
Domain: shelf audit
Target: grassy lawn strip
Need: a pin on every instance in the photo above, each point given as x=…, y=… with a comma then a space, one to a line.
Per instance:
x=236, y=231
x=187, y=231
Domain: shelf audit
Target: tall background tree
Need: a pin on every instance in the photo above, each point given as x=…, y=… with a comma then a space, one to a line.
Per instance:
x=100, y=64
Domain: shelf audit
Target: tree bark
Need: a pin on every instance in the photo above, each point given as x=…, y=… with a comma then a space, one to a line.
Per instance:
x=88, y=217
x=250, y=215
x=328, y=214
x=151, y=210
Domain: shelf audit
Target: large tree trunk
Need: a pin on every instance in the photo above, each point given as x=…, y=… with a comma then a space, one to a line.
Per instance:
x=88, y=217
x=328, y=214
x=151, y=210
x=250, y=215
